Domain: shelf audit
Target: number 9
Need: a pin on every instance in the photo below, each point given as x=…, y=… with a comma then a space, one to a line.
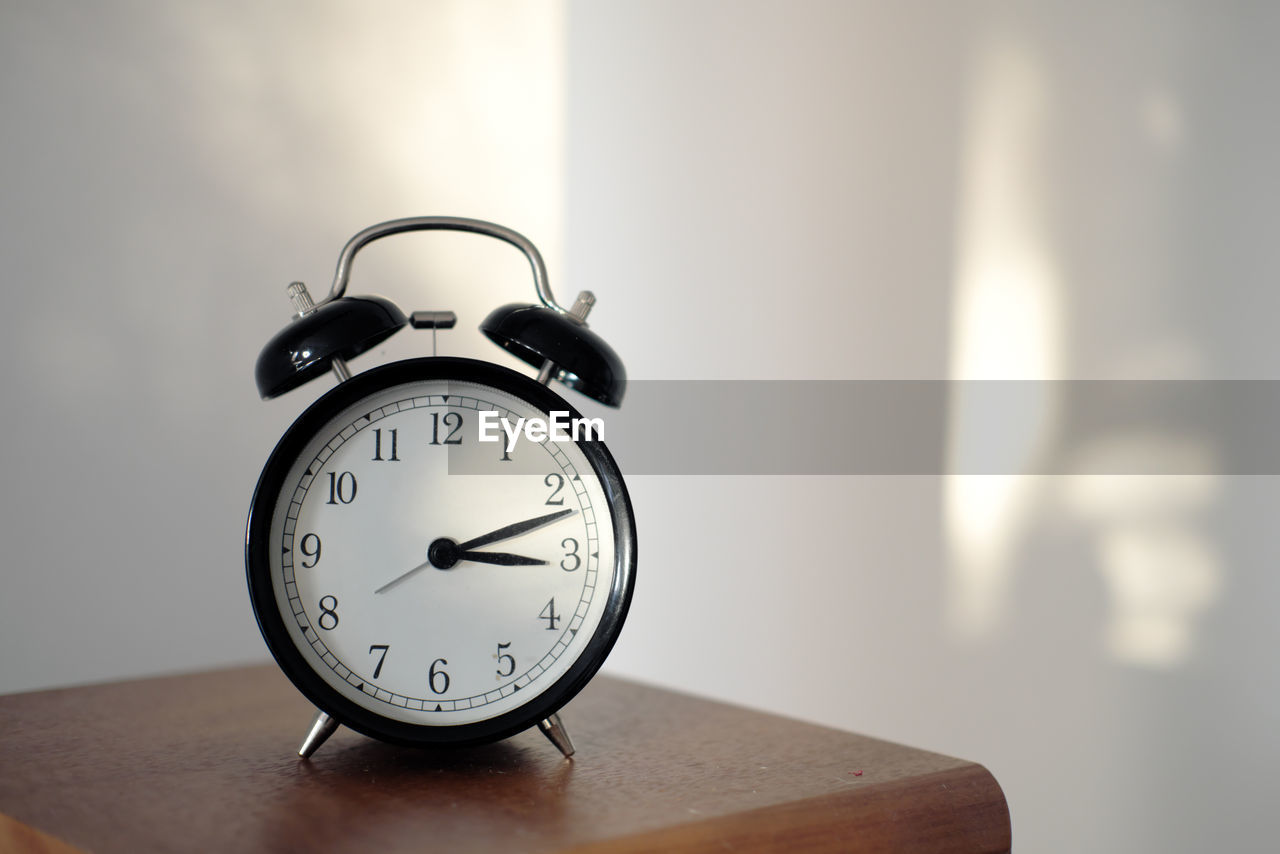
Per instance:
x=313, y=552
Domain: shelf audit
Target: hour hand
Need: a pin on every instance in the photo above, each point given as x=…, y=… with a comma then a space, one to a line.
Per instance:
x=444, y=553
x=500, y=558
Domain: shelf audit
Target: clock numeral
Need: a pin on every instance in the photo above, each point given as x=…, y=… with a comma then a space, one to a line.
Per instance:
x=453, y=427
x=438, y=679
x=328, y=613
x=377, y=447
x=377, y=671
x=506, y=457
x=502, y=656
x=571, y=547
x=309, y=545
x=556, y=482
x=342, y=488
x=549, y=614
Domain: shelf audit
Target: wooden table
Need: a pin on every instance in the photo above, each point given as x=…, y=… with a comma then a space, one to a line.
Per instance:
x=206, y=763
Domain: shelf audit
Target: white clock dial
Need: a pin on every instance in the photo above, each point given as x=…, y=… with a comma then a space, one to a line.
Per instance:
x=422, y=590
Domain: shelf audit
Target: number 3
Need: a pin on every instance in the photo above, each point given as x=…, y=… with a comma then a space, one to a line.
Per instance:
x=572, y=545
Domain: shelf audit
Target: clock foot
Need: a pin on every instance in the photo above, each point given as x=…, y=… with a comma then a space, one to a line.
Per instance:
x=321, y=728
x=553, y=729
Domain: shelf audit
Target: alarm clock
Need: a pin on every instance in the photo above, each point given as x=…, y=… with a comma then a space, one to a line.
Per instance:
x=440, y=551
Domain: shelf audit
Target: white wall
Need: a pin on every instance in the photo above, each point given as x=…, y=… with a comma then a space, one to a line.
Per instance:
x=167, y=169
x=1048, y=191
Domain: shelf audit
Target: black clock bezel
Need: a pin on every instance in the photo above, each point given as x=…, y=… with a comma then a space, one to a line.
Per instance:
x=271, y=623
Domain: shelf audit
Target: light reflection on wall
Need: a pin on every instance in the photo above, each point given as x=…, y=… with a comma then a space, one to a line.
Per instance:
x=1159, y=568
x=1006, y=325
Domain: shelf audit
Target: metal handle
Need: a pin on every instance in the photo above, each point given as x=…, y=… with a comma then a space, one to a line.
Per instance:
x=444, y=223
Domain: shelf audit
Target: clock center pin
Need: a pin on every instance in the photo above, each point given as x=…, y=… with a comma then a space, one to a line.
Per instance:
x=443, y=553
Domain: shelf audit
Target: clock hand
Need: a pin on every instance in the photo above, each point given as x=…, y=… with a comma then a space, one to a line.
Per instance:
x=393, y=582
x=444, y=553
x=500, y=558
x=515, y=529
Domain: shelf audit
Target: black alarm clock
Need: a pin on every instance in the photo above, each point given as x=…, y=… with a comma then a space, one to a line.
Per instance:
x=440, y=551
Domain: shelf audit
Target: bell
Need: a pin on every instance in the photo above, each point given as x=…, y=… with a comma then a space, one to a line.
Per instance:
x=561, y=346
x=550, y=337
x=336, y=329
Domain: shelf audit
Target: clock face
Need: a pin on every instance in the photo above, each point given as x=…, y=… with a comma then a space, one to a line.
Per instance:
x=422, y=585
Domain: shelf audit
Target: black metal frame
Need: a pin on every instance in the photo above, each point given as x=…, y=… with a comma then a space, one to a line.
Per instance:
x=271, y=622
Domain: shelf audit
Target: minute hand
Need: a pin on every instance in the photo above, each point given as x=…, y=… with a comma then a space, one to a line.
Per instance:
x=515, y=529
